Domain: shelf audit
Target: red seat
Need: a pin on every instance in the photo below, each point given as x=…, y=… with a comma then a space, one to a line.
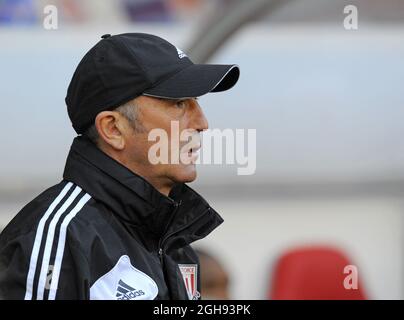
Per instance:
x=313, y=273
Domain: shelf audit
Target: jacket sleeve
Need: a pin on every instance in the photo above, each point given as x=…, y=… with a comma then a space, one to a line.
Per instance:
x=14, y=262
x=72, y=282
x=23, y=277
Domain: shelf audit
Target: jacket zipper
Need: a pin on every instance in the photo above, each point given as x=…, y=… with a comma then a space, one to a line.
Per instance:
x=160, y=250
x=164, y=239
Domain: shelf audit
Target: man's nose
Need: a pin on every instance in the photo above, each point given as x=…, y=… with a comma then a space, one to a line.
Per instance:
x=198, y=119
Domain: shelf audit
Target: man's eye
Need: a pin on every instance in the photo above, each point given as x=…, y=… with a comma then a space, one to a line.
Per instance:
x=180, y=104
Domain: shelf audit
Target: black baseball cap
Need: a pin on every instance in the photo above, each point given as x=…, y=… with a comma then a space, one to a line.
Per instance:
x=122, y=67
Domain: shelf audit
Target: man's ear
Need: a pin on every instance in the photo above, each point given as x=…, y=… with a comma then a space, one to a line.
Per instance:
x=110, y=128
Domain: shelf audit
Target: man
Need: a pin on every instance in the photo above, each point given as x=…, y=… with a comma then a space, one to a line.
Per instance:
x=119, y=225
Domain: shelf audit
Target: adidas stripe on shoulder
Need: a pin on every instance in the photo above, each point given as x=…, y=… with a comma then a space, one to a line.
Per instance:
x=55, y=220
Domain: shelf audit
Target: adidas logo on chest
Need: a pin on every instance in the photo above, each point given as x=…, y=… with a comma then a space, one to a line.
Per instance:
x=124, y=282
x=126, y=292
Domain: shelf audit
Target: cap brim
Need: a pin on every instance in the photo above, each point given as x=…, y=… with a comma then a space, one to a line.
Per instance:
x=195, y=81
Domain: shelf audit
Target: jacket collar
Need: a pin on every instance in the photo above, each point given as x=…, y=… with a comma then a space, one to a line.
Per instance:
x=136, y=201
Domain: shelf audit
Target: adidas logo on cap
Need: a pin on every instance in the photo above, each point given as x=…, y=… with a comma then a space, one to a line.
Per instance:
x=181, y=53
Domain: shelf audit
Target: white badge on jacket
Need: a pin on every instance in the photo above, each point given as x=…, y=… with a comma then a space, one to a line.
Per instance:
x=124, y=282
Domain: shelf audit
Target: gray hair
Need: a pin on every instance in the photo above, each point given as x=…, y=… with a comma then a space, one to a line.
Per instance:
x=128, y=110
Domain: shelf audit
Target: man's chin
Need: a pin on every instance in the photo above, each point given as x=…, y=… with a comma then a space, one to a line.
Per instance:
x=186, y=174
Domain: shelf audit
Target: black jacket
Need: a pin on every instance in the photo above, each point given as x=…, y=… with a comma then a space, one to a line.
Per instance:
x=104, y=232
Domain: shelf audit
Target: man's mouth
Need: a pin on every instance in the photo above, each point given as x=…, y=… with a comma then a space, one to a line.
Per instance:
x=193, y=153
x=195, y=148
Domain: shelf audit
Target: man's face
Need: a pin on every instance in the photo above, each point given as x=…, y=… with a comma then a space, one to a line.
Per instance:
x=173, y=118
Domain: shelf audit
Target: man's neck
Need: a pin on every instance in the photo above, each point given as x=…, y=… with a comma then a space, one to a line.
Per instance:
x=161, y=184
x=157, y=183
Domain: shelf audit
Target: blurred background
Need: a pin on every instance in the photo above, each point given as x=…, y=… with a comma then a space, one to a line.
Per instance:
x=327, y=104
